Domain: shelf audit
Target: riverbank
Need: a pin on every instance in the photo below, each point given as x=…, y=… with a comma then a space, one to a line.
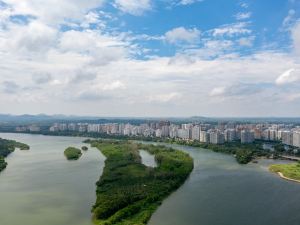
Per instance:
x=128, y=192
x=244, y=153
x=289, y=172
x=7, y=147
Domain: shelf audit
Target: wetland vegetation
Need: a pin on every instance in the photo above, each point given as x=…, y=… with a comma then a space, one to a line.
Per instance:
x=7, y=147
x=72, y=153
x=128, y=192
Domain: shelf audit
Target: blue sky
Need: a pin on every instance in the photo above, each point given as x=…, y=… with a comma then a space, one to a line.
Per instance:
x=150, y=58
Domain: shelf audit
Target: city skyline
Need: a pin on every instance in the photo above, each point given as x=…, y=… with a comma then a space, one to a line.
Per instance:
x=165, y=58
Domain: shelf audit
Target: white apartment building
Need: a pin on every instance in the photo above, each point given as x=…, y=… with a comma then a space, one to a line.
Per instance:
x=204, y=137
x=184, y=133
x=296, y=139
x=196, y=133
x=216, y=137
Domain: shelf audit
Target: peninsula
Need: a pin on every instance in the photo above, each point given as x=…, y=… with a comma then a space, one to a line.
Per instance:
x=6, y=148
x=128, y=192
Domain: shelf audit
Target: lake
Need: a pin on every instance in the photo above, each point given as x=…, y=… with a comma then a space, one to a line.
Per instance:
x=40, y=186
x=221, y=192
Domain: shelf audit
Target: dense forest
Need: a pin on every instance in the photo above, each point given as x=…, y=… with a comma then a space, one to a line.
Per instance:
x=128, y=192
x=7, y=147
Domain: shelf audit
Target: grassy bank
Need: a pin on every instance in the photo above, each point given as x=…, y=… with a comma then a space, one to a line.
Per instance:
x=291, y=171
x=72, y=153
x=128, y=192
x=7, y=147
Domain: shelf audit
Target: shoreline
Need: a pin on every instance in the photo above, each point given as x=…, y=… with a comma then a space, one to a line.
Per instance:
x=287, y=178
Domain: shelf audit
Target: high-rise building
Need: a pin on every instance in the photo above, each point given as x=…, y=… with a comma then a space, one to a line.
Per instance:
x=247, y=136
x=296, y=139
x=230, y=135
x=184, y=133
x=173, y=131
x=158, y=133
x=287, y=137
x=204, y=137
x=165, y=131
x=196, y=133
x=216, y=137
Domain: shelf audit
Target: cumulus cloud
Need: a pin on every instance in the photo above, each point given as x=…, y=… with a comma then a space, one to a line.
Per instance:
x=288, y=76
x=53, y=11
x=134, y=7
x=182, y=35
x=36, y=37
x=91, y=62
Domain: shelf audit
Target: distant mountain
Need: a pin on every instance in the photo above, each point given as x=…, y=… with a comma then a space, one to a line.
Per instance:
x=43, y=118
x=40, y=118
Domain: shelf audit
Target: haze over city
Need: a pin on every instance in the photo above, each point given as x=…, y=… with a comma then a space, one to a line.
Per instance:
x=150, y=58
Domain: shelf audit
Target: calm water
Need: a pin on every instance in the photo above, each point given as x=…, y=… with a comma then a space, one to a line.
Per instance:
x=221, y=192
x=40, y=186
x=147, y=158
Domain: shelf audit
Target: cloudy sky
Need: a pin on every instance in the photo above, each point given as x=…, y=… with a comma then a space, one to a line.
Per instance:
x=150, y=57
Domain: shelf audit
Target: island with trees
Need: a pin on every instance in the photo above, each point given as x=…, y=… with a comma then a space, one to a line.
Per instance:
x=128, y=192
x=72, y=153
x=84, y=148
x=7, y=147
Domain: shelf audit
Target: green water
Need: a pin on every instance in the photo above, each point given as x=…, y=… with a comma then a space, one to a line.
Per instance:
x=40, y=187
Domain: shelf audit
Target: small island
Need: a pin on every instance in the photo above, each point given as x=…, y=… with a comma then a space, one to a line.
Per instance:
x=287, y=171
x=7, y=147
x=72, y=153
x=128, y=192
x=84, y=148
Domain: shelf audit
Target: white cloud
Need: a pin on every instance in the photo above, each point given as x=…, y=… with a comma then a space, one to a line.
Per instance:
x=36, y=37
x=45, y=68
x=53, y=11
x=188, y=2
x=134, y=7
x=243, y=15
x=217, y=91
x=165, y=98
x=289, y=20
x=232, y=30
x=113, y=86
x=246, y=41
x=296, y=37
x=181, y=34
x=288, y=76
